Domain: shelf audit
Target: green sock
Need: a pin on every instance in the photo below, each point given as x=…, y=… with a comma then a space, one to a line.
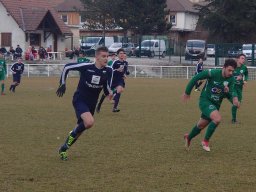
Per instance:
x=194, y=132
x=210, y=130
x=234, y=110
x=2, y=88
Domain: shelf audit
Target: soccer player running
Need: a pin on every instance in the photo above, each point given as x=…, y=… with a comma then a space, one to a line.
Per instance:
x=120, y=68
x=199, y=69
x=218, y=83
x=3, y=72
x=17, y=70
x=241, y=78
x=93, y=78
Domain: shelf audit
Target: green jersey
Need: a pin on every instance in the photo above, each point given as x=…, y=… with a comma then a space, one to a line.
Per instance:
x=83, y=60
x=2, y=66
x=214, y=86
x=110, y=63
x=241, y=71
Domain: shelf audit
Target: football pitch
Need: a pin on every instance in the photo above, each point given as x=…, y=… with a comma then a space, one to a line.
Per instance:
x=139, y=149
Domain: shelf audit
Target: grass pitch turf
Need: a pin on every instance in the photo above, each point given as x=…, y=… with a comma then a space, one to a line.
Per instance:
x=139, y=149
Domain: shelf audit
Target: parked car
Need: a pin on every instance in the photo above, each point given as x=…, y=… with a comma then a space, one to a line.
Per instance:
x=195, y=49
x=90, y=44
x=114, y=47
x=247, y=50
x=235, y=51
x=129, y=48
x=151, y=48
x=210, y=50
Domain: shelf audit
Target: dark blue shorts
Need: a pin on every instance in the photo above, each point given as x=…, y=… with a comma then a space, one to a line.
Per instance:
x=81, y=106
x=16, y=78
x=118, y=83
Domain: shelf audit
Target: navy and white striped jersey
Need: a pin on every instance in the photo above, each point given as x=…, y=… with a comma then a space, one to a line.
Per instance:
x=199, y=68
x=119, y=75
x=17, y=68
x=92, y=80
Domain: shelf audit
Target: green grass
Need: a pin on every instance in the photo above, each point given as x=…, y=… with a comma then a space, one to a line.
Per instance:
x=139, y=149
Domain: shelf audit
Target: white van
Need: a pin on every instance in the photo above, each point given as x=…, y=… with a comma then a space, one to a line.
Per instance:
x=90, y=44
x=247, y=51
x=151, y=48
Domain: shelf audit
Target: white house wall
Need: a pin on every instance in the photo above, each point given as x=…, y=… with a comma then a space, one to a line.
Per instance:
x=61, y=44
x=185, y=21
x=190, y=21
x=9, y=25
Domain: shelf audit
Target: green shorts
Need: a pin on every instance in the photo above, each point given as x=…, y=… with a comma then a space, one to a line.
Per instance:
x=207, y=107
x=2, y=76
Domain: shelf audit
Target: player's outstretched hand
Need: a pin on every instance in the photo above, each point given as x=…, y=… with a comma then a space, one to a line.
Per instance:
x=236, y=102
x=61, y=90
x=185, y=97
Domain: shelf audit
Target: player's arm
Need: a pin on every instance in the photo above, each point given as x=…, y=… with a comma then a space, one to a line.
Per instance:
x=70, y=66
x=114, y=65
x=22, y=69
x=126, y=71
x=233, y=94
x=107, y=86
x=246, y=75
x=5, y=68
x=13, y=68
x=200, y=76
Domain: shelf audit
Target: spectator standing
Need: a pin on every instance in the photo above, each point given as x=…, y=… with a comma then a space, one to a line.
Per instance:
x=49, y=49
x=18, y=52
x=42, y=53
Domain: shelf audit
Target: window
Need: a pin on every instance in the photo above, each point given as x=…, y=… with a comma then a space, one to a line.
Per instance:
x=6, y=39
x=35, y=39
x=173, y=19
x=82, y=19
x=64, y=18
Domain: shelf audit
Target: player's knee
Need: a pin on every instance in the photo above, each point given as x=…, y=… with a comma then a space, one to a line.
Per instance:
x=217, y=119
x=89, y=123
x=119, y=89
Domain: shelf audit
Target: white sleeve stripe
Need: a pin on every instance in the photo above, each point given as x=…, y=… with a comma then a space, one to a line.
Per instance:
x=111, y=79
x=209, y=72
x=71, y=67
x=109, y=85
x=11, y=67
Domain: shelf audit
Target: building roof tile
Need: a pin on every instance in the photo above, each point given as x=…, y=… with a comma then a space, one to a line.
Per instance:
x=180, y=6
x=28, y=14
x=70, y=6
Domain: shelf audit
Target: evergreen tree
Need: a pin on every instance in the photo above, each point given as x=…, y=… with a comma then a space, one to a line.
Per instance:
x=229, y=20
x=143, y=16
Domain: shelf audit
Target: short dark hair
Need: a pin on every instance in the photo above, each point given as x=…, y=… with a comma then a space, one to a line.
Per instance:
x=111, y=54
x=120, y=50
x=241, y=54
x=101, y=49
x=230, y=62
